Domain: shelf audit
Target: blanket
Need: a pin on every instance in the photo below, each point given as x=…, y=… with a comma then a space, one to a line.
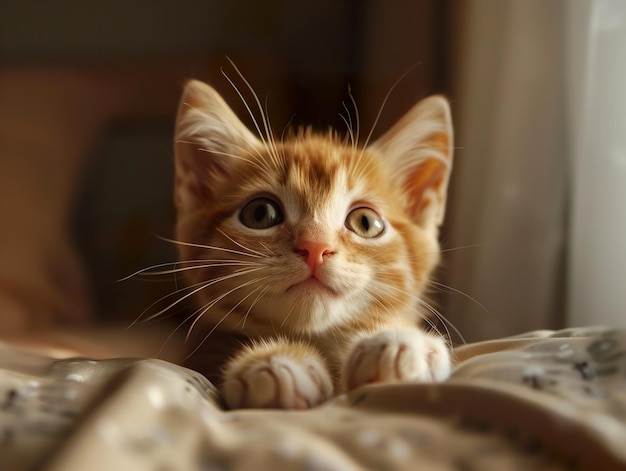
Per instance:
x=546, y=400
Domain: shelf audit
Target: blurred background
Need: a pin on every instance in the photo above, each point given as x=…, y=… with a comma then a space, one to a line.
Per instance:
x=535, y=222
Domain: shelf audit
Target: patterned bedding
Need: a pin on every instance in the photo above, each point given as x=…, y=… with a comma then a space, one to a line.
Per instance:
x=541, y=401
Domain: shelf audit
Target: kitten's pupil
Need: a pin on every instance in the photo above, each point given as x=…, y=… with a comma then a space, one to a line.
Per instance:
x=260, y=212
x=365, y=222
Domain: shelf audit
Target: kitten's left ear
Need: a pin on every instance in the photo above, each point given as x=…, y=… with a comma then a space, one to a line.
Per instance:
x=418, y=152
x=210, y=143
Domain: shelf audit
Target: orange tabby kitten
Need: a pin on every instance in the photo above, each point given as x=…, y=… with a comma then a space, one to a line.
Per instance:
x=308, y=256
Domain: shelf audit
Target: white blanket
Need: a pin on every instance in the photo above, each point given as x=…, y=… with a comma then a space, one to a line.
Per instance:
x=544, y=400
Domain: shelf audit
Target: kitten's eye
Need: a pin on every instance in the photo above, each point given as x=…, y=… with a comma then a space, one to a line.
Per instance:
x=261, y=213
x=365, y=222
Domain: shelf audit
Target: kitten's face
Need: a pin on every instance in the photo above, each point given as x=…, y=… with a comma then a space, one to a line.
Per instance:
x=304, y=235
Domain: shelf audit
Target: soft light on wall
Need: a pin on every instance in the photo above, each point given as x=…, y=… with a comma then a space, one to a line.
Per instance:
x=597, y=92
x=539, y=188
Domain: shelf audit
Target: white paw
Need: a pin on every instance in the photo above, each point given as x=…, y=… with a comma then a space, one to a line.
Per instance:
x=396, y=355
x=279, y=382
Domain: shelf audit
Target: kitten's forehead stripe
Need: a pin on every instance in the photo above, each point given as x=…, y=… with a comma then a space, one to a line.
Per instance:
x=313, y=170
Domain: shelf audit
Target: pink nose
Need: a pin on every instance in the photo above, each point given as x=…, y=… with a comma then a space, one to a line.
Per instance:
x=313, y=252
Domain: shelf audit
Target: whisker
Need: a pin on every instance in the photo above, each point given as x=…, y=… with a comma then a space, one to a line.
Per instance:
x=163, y=298
x=356, y=114
x=214, y=328
x=259, y=158
x=252, y=152
x=218, y=263
x=239, y=244
x=208, y=247
x=200, y=312
x=219, y=298
x=293, y=306
x=450, y=289
x=357, y=121
x=452, y=249
x=178, y=327
x=243, y=322
x=256, y=300
x=364, y=170
x=202, y=286
x=251, y=155
x=271, y=150
x=430, y=309
x=270, y=132
x=382, y=106
x=380, y=303
x=270, y=251
x=226, y=154
x=444, y=321
x=282, y=135
x=256, y=165
x=348, y=123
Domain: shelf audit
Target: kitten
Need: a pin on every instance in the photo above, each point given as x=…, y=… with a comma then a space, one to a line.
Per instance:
x=311, y=252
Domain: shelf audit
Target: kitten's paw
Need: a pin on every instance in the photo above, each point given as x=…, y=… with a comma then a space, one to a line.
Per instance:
x=276, y=380
x=396, y=355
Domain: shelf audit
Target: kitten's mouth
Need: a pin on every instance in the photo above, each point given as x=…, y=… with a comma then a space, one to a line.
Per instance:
x=312, y=283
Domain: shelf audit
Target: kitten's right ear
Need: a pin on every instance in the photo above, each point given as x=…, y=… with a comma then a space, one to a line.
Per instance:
x=208, y=139
x=418, y=151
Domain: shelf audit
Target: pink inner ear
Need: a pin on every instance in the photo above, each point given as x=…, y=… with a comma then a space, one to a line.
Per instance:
x=185, y=192
x=426, y=184
x=428, y=176
x=193, y=185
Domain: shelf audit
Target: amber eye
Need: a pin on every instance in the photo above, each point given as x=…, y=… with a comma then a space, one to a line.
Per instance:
x=365, y=222
x=261, y=213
